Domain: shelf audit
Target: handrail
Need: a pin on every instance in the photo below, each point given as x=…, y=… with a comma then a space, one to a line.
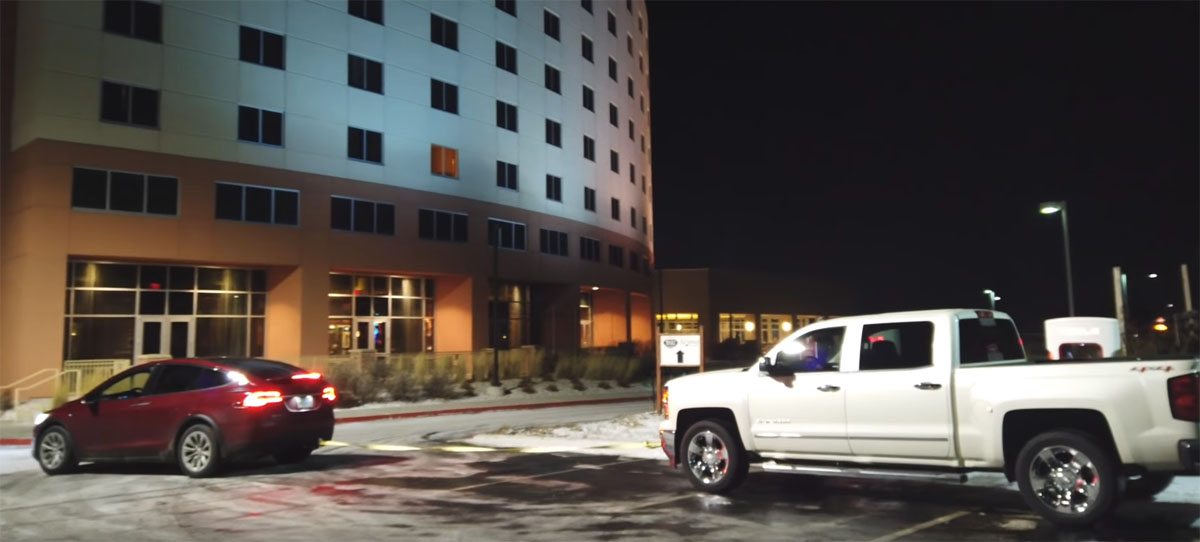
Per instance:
x=14, y=384
x=16, y=394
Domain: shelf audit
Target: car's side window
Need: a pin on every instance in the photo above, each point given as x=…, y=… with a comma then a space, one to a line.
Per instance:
x=177, y=378
x=131, y=385
x=209, y=378
x=817, y=350
x=905, y=345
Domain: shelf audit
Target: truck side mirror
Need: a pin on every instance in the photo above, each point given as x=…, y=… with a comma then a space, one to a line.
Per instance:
x=770, y=368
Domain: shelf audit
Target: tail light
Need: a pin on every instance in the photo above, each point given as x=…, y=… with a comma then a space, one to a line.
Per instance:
x=261, y=398
x=328, y=394
x=306, y=376
x=665, y=407
x=1184, y=394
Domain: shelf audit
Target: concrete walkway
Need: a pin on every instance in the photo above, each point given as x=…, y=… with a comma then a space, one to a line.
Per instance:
x=20, y=434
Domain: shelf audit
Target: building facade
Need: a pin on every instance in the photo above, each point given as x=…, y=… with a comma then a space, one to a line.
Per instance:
x=301, y=179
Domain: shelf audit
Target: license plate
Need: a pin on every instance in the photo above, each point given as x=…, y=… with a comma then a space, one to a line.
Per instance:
x=301, y=402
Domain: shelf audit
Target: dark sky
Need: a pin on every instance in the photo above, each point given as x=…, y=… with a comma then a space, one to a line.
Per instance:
x=903, y=149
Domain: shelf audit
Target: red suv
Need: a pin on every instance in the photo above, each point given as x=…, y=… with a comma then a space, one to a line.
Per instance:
x=196, y=412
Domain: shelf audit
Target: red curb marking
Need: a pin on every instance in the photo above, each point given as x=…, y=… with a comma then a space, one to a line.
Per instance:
x=472, y=410
x=15, y=441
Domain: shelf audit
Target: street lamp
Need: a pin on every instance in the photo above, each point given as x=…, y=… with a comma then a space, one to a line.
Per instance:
x=1050, y=208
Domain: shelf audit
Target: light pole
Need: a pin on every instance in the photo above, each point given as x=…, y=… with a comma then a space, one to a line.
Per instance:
x=1050, y=208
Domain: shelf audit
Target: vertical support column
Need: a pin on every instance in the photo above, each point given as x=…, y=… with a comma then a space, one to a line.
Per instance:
x=298, y=315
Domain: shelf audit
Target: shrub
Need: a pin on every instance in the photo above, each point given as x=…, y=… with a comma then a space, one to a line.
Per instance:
x=344, y=377
x=403, y=387
x=526, y=385
x=578, y=384
x=468, y=390
x=440, y=385
x=6, y=400
x=552, y=387
x=604, y=385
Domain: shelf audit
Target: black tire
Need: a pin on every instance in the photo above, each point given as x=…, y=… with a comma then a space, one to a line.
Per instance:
x=56, y=451
x=712, y=457
x=1068, y=478
x=1147, y=486
x=198, y=451
x=292, y=455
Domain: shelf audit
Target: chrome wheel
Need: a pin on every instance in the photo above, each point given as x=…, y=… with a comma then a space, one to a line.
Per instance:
x=1064, y=479
x=707, y=457
x=52, y=451
x=196, y=451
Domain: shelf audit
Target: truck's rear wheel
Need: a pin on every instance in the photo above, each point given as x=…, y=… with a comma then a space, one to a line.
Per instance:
x=713, y=458
x=1146, y=486
x=1067, y=478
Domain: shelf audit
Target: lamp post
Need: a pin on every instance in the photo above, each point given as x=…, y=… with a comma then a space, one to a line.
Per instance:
x=1050, y=208
x=495, y=313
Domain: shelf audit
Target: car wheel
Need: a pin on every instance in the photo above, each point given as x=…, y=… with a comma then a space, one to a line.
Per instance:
x=293, y=455
x=713, y=458
x=1067, y=478
x=55, y=452
x=198, y=452
x=1147, y=486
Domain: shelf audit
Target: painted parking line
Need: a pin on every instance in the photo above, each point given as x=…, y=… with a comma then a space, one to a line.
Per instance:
x=466, y=449
x=922, y=526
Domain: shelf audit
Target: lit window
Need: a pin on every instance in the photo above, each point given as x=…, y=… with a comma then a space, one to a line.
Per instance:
x=444, y=161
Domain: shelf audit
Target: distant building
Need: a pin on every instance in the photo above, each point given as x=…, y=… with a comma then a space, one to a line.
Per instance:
x=300, y=179
x=745, y=312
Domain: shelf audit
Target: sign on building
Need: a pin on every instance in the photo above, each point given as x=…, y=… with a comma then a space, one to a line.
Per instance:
x=679, y=350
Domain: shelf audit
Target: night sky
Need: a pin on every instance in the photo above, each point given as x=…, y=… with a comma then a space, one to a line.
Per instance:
x=903, y=149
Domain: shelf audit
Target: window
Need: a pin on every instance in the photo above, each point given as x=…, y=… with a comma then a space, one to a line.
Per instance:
x=371, y=10
x=510, y=234
x=988, y=339
x=137, y=19
x=629, y=5
x=506, y=175
x=262, y=204
x=614, y=161
x=642, y=103
x=365, y=74
x=507, y=6
x=815, y=351
x=180, y=378
x=629, y=44
x=444, y=161
x=589, y=99
x=554, y=133
x=589, y=249
x=443, y=96
x=554, y=242
x=553, y=80
x=896, y=346
x=443, y=32
x=348, y=214
x=612, y=115
x=442, y=226
x=118, y=191
x=260, y=126
x=587, y=5
x=612, y=68
x=616, y=256
x=506, y=57
x=589, y=148
x=550, y=24
x=506, y=115
x=616, y=209
x=641, y=64
x=364, y=145
x=553, y=187
x=632, y=177
x=612, y=23
x=629, y=85
x=633, y=217
x=643, y=184
x=630, y=123
x=640, y=28
x=589, y=199
x=261, y=47
x=129, y=104
x=382, y=313
x=587, y=49
x=643, y=223
x=643, y=142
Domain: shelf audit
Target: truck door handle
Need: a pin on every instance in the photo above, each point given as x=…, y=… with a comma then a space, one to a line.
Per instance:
x=928, y=386
x=827, y=387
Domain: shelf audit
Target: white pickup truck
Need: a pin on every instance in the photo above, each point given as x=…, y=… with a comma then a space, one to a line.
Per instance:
x=939, y=394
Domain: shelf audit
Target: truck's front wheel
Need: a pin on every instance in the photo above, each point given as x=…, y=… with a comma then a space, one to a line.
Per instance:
x=713, y=458
x=1067, y=478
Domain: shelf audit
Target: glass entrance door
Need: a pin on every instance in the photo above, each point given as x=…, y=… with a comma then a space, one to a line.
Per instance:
x=371, y=334
x=165, y=336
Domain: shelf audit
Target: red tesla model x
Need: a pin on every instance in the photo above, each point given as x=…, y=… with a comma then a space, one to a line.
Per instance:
x=196, y=412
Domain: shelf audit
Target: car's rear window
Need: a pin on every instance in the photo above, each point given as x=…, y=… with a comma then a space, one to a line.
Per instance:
x=988, y=339
x=261, y=368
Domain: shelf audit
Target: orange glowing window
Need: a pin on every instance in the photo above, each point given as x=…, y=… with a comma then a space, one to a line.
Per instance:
x=444, y=161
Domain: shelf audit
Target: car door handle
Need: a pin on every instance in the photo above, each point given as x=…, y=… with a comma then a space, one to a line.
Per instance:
x=827, y=387
x=143, y=403
x=927, y=386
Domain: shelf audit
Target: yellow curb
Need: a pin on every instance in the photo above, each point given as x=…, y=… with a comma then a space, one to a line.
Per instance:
x=391, y=448
x=465, y=449
x=334, y=443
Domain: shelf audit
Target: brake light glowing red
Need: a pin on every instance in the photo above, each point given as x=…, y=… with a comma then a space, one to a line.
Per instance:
x=665, y=407
x=261, y=398
x=328, y=394
x=306, y=376
x=1184, y=394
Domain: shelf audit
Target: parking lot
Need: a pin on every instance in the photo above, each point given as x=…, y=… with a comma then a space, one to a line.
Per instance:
x=462, y=493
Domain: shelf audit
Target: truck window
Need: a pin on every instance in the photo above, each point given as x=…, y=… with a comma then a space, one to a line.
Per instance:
x=904, y=345
x=1080, y=351
x=817, y=350
x=988, y=339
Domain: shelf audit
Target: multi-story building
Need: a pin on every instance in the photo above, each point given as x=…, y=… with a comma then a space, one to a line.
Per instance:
x=299, y=179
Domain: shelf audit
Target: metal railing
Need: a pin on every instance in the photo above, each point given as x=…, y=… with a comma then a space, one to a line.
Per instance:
x=71, y=379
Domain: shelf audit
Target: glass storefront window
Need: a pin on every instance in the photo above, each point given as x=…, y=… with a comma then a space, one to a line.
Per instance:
x=100, y=338
x=382, y=313
x=733, y=326
x=340, y=336
x=221, y=337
